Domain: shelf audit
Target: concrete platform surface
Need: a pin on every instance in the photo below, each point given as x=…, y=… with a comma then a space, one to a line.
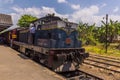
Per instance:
x=15, y=67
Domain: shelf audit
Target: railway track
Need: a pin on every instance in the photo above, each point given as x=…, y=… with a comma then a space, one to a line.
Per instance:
x=106, y=63
x=79, y=75
x=75, y=75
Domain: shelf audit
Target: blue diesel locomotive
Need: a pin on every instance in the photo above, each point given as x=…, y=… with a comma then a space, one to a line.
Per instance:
x=55, y=45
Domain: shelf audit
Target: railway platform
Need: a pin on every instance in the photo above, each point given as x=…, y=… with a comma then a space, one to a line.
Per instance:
x=14, y=66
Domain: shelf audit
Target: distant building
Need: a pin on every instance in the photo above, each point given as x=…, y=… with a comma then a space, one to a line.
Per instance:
x=116, y=38
x=5, y=21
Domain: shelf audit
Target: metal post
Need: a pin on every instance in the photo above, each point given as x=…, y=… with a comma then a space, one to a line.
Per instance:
x=106, y=45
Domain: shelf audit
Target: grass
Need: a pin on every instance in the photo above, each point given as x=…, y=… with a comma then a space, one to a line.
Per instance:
x=99, y=49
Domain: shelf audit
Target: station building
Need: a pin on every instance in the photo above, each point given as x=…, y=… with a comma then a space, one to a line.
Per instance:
x=5, y=21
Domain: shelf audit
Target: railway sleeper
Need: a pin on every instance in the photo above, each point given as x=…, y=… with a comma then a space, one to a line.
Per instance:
x=78, y=75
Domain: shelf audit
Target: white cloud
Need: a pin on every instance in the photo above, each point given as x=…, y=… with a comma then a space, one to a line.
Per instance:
x=114, y=17
x=86, y=15
x=15, y=18
x=116, y=9
x=38, y=12
x=103, y=5
x=76, y=7
x=62, y=1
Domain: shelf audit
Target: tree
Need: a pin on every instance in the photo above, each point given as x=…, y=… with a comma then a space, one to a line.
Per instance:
x=101, y=33
x=25, y=20
x=82, y=32
x=87, y=33
x=112, y=31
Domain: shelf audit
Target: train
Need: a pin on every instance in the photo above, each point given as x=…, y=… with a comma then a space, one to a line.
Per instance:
x=56, y=43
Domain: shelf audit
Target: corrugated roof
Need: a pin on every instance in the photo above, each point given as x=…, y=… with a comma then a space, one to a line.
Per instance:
x=5, y=21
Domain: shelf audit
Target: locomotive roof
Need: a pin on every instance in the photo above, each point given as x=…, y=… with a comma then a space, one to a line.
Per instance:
x=48, y=18
x=51, y=22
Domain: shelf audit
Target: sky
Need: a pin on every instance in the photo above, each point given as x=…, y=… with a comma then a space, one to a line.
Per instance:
x=86, y=11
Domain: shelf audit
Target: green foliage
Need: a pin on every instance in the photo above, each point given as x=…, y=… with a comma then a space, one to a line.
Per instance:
x=113, y=30
x=25, y=20
x=100, y=34
x=92, y=35
x=86, y=33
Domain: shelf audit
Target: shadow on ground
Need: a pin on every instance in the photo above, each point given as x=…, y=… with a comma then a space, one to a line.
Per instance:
x=23, y=56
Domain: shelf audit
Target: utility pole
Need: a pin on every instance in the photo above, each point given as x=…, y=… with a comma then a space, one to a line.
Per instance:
x=106, y=45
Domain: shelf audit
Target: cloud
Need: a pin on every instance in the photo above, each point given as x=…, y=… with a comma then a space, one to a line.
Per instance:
x=75, y=7
x=35, y=11
x=103, y=5
x=38, y=12
x=62, y=1
x=85, y=14
x=15, y=17
x=114, y=17
x=116, y=9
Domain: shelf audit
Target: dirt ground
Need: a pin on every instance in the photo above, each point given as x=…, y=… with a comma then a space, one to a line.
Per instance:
x=14, y=66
